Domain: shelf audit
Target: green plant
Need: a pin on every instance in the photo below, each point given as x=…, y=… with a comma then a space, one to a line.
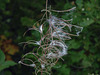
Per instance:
x=53, y=33
x=83, y=56
x=5, y=64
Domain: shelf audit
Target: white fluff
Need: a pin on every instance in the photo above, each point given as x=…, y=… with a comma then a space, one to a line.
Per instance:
x=62, y=45
x=41, y=29
x=32, y=65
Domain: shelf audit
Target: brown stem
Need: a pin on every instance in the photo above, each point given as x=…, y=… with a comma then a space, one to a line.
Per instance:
x=46, y=7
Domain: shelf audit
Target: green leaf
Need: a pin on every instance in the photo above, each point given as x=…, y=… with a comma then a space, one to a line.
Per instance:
x=67, y=6
x=2, y=57
x=64, y=70
x=27, y=21
x=74, y=44
x=76, y=56
x=7, y=64
x=86, y=63
x=87, y=43
x=87, y=22
x=79, y=3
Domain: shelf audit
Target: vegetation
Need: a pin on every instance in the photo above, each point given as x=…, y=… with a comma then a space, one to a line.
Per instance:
x=17, y=16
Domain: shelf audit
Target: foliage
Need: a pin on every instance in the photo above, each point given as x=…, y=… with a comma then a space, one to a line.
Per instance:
x=5, y=64
x=7, y=47
x=83, y=58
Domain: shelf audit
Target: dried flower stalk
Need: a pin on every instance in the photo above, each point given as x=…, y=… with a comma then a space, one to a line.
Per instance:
x=51, y=44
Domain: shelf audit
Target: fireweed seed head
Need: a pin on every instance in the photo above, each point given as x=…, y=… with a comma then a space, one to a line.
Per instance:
x=51, y=45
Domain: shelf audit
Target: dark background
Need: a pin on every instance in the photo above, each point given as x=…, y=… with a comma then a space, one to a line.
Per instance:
x=83, y=58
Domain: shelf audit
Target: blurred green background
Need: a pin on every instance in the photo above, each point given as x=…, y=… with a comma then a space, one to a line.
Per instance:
x=16, y=16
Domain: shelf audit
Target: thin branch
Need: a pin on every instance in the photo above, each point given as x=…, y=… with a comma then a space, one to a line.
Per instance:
x=46, y=7
x=63, y=10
